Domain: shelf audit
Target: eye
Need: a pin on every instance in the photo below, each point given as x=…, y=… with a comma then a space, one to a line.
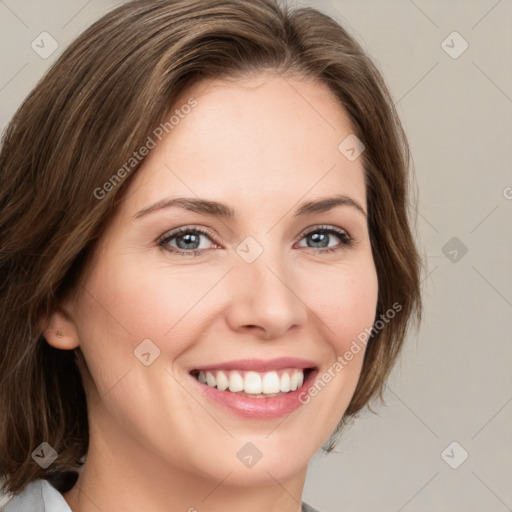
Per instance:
x=193, y=241
x=320, y=236
x=186, y=241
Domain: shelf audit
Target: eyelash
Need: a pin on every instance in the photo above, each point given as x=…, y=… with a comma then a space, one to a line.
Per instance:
x=347, y=241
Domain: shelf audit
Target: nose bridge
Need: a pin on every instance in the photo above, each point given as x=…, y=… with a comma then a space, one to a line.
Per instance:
x=264, y=290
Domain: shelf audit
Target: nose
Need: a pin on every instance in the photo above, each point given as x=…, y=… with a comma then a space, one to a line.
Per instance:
x=265, y=298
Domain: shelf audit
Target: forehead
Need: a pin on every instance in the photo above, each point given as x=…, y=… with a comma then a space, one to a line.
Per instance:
x=265, y=137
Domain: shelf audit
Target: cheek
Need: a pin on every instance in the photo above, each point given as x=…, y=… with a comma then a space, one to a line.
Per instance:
x=134, y=301
x=145, y=300
x=345, y=302
x=129, y=300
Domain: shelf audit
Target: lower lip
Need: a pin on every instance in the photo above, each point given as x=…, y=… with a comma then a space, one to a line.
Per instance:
x=259, y=408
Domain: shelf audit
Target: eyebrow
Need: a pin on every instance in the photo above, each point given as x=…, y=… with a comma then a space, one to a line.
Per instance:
x=218, y=209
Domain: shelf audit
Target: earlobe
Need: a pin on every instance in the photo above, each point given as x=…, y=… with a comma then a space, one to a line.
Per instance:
x=60, y=331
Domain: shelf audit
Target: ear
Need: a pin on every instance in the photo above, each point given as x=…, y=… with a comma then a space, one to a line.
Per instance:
x=60, y=331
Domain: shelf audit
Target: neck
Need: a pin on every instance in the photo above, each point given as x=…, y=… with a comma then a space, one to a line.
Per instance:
x=122, y=474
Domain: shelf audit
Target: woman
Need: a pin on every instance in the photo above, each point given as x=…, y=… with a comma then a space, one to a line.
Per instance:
x=207, y=264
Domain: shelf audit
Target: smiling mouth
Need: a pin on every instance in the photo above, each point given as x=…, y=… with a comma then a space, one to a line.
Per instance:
x=254, y=384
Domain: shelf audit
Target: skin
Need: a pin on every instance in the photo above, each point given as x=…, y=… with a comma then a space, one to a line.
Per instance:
x=261, y=144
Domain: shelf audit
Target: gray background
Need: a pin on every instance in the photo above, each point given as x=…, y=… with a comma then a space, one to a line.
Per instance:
x=454, y=381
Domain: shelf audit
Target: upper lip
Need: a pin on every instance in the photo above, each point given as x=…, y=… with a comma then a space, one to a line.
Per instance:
x=260, y=365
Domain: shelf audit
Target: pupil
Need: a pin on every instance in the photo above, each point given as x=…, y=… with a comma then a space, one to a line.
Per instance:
x=188, y=239
x=317, y=238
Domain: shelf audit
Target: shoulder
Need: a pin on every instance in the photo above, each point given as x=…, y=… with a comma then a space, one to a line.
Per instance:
x=308, y=508
x=41, y=496
x=37, y=496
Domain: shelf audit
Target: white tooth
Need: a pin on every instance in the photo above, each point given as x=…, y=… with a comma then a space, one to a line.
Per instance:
x=222, y=381
x=270, y=383
x=252, y=383
x=285, y=382
x=236, y=383
x=210, y=379
x=300, y=381
x=294, y=380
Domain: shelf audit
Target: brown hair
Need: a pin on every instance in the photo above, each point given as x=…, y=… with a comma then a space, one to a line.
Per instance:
x=97, y=105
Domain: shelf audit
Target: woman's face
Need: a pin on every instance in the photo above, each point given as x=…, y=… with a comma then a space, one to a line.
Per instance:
x=254, y=297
